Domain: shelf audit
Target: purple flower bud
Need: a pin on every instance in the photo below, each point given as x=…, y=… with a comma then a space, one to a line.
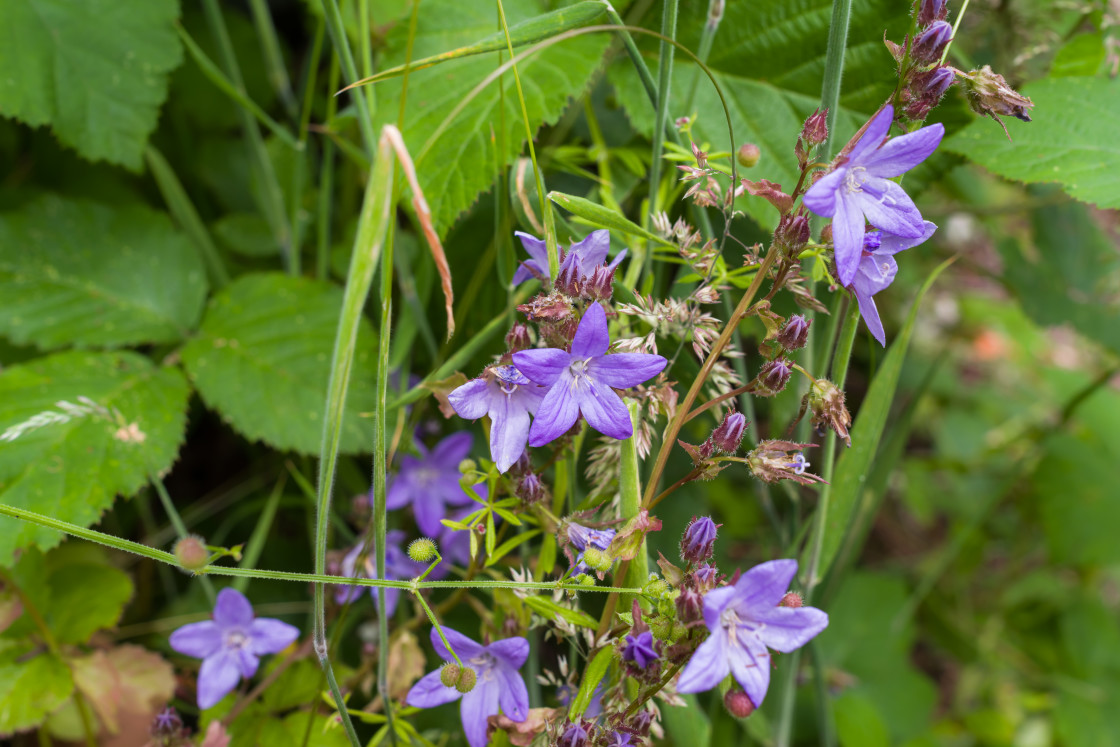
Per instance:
x=518, y=338
x=795, y=334
x=706, y=577
x=937, y=82
x=792, y=231
x=815, y=130
x=698, y=539
x=930, y=43
x=575, y=735
x=729, y=434
x=690, y=605
x=774, y=375
x=639, y=649
x=166, y=726
x=932, y=10
x=531, y=489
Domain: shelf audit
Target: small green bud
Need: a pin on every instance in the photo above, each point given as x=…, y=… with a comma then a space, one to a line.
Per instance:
x=585, y=579
x=191, y=553
x=661, y=627
x=655, y=588
x=467, y=678
x=666, y=605
x=422, y=550
x=467, y=466
x=597, y=559
x=449, y=675
x=748, y=155
x=679, y=631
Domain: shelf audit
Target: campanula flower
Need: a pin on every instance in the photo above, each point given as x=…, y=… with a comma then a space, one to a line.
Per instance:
x=698, y=540
x=497, y=685
x=397, y=567
x=877, y=269
x=230, y=645
x=583, y=381
x=639, y=649
x=743, y=621
x=859, y=189
x=430, y=482
x=581, y=538
x=508, y=398
x=582, y=258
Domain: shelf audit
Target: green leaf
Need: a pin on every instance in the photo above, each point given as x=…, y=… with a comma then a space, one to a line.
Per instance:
x=94, y=70
x=545, y=607
x=602, y=217
x=87, y=594
x=460, y=164
x=592, y=676
x=262, y=360
x=690, y=724
x=78, y=272
x=72, y=470
x=858, y=722
x=31, y=689
x=503, y=549
x=1071, y=140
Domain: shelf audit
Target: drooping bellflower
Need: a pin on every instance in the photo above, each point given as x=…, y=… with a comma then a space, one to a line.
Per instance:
x=582, y=258
x=230, y=645
x=430, y=482
x=497, y=685
x=583, y=381
x=508, y=398
x=397, y=567
x=859, y=189
x=745, y=620
x=877, y=269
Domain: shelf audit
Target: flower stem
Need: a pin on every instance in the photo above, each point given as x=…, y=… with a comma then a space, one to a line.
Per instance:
x=180, y=530
x=664, y=78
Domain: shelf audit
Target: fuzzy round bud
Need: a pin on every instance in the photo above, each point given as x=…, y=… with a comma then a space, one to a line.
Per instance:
x=936, y=82
x=931, y=42
x=449, y=675
x=791, y=599
x=795, y=333
x=467, y=678
x=422, y=550
x=738, y=703
x=748, y=155
x=655, y=588
x=705, y=577
x=467, y=466
x=815, y=130
x=191, y=553
x=597, y=559
x=729, y=434
x=585, y=579
x=792, y=231
x=661, y=627
x=698, y=540
x=774, y=375
x=932, y=10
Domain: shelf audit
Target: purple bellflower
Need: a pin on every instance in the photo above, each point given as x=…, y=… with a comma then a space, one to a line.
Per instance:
x=508, y=398
x=877, y=269
x=583, y=256
x=743, y=620
x=581, y=538
x=431, y=482
x=860, y=189
x=230, y=645
x=639, y=649
x=583, y=381
x=498, y=683
x=397, y=567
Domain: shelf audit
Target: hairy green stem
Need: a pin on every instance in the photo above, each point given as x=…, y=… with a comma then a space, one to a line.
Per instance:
x=664, y=79
x=180, y=529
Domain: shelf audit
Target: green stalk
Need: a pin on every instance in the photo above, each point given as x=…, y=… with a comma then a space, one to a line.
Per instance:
x=664, y=78
x=630, y=503
x=834, y=65
x=337, y=31
x=259, y=537
x=707, y=36
x=273, y=58
x=326, y=184
x=180, y=530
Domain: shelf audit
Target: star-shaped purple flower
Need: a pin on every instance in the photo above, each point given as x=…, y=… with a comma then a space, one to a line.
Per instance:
x=743, y=620
x=508, y=398
x=431, y=482
x=498, y=683
x=583, y=381
x=860, y=190
x=877, y=269
x=230, y=644
x=397, y=566
x=583, y=256
x=639, y=649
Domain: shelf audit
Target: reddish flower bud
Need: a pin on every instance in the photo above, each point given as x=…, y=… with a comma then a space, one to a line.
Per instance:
x=531, y=489
x=191, y=553
x=698, y=540
x=930, y=43
x=791, y=599
x=932, y=10
x=738, y=703
x=774, y=375
x=705, y=578
x=518, y=338
x=748, y=155
x=936, y=82
x=690, y=605
x=792, y=231
x=815, y=130
x=795, y=334
x=729, y=434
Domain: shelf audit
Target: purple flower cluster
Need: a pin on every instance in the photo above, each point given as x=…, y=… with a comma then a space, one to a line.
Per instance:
x=581, y=260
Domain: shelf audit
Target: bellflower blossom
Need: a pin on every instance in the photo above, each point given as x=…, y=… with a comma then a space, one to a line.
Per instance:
x=743, y=620
x=431, y=482
x=639, y=649
x=859, y=189
x=397, y=567
x=877, y=269
x=498, y=683
x=230, y=644
x=508, y=398
x=583, y=381
x=584, y=256
x=581, y=538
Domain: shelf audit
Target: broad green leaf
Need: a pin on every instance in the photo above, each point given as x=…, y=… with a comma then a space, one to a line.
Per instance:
x=1071, y=140
x=30, y=689
x=592, y=676
x=87, y=594
x=73, y=468
x=689, y=724
x=463, y=160
x=858, y=722
x=545, y=607
x=602, y=217
x=94, y=70
x=262, y=360
x=1083, y=55
x=78, y=272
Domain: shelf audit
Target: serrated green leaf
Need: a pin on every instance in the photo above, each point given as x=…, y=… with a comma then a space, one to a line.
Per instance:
x=592, y=676
x=72, y=470
x=87, y=594
x=545, y=607
x=1071, y=140
x=461, y=163
x=31, y=689
x=94, y=70
x=78, y=272
x=262, y=360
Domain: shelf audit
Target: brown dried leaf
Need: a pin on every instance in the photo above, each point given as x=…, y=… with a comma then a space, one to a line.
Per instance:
x=406, y=664
x=444, y=387
x=522, y=733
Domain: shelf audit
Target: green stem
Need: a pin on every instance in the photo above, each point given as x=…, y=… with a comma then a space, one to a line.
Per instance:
x=273, y=58
x=664, y=78
x=337, y=31
x=259, y=537
x=180, y=530
x=834, y=65
x=340, y=705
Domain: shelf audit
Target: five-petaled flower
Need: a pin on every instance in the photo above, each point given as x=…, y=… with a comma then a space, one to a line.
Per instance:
x=582, y=258
x=397, y=566
x=508, y=398
x=583, y=381
x=859, y=188
x=877, y=269
x=497, y=685
x=743, y=620
x=639, y=649
x=230, y=645
x=431, y=482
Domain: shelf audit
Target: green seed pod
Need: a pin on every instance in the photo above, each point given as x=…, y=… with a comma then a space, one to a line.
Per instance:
x=449, y=675
x=597, y=559
x=191, y=553
x=422, y=550
x=467, y=678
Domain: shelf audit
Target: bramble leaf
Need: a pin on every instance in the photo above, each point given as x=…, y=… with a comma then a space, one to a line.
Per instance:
x=31, y=689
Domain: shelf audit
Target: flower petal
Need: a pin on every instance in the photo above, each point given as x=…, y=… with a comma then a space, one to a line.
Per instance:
x=512, y=651
x=876, y=273
x=464, y=647
x=400, y=489
x=471, y=400
x=847, y=237
x=477, y=706
x=232, y=609
x=558, y=412
x=592, y=250
x=536, y=248
x=247, y=662
x=592, y=338
x=877, y=129
x=821, y=197
x=750, y=666
x=788, y=629
x=604, y=410
x=508, y=432
x=624, y=370
x=428, y=510
x=200, y=639
x=891, y=244
x=900, y=154
x=513, y=696
x=269, y=636
x=430, y=692
x=764, y=585
x=715, y=602
x=452, y=450
x=543, y=366
x=870, y=314
x=887, y=206
x=219, y=674
x=529, y=269
x=707, y=667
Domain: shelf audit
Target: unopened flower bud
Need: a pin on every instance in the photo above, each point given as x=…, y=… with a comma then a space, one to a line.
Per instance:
x=191, y=553
x=600, y=285
x=826, y=401
x=989, y=94
x=748, y=155
x=931, y=42
x=422, y=550
x=166, y=726
x=792, y=231
x=467, y=678
x=705, y=578
x=597, y=560
x=791, y=599
x=795, y=333
x=729, y=434
x=738, y=703
x=467, y=466
x=698, y=540
x=585, y=579
x=932, y=10
x=815, y=130
x=449, y=675
x=936, y=82
x=690, y=605
x=531, y=488
x=773, y=376
x=518, y=338
x=574, y=735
